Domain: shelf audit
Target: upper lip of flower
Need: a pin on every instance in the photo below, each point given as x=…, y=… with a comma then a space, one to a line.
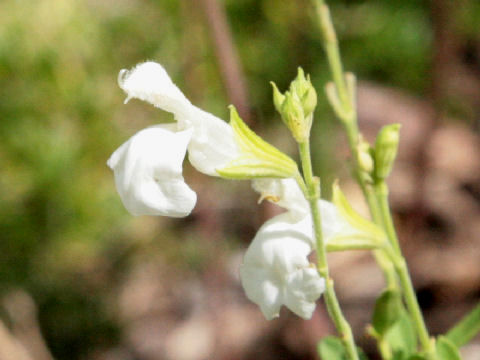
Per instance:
x=210, y=145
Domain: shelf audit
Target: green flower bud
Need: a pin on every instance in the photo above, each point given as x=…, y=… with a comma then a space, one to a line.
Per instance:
x=296, y=106
x=299, y=84
x=386, y=147
x=305, y=91
x=309, y=101
x=294, y=118
x=364, y=156
x=278, y=97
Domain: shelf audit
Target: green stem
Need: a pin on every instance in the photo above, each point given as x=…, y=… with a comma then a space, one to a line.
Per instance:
x=313, y=195
x=428, y=346
x=403, y=274
x=466, y=329
x=377, y=202
x=381, y=190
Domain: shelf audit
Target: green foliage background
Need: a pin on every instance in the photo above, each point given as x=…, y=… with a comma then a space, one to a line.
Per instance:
x=65, y=236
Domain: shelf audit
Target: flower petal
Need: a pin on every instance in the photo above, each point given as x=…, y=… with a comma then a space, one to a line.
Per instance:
x=148, y=173
x=260, y=289
x=305, y=286
x=213, y=143
x=279, y=249
x=150, y=82
x=285, y=193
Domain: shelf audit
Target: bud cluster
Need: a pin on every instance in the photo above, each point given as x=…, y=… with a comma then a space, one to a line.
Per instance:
x=375, y=163
x=296, y=105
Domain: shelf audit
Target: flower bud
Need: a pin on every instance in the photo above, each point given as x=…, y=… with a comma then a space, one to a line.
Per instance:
x=364, y=156
x=305, y=91
x=296, y=106
x=294, y=118
x=309, y=101
x=386, y=147
x=278, y=97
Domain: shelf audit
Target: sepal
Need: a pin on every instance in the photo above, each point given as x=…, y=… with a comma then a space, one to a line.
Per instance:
x=363, y=226
x=258, y=159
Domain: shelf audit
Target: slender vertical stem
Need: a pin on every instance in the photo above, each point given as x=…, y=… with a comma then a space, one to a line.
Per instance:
x=350, y=123
x=381, y=191
x=377, y=200
x=403, y=274
x=313, y=195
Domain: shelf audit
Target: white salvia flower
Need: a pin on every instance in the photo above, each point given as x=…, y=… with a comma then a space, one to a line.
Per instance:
x=148, y=172
x=276, y=270
x=212, y=145
x=148, y=167
x=287, y=194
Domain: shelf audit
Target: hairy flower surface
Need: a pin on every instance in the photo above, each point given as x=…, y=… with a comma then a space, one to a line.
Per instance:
x=148, y=167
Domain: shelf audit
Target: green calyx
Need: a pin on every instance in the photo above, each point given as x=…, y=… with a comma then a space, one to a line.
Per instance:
x=386, y=147
x=364, y=234
x=296, y=106
x=258, y=158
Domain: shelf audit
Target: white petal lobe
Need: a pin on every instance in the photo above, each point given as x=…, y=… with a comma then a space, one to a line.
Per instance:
x=213, y=144
x=148, y=173
x=276, y=270
x=150, y=82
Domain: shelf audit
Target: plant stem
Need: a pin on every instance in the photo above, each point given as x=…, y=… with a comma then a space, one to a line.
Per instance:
x=381, y=190
x=349, y=120
x=377, y=199
x=313, y=196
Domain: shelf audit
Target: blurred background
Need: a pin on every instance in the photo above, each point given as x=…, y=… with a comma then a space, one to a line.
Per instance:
x=82, y=279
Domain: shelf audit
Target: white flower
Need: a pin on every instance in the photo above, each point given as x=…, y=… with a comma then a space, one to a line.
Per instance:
x=148, y=167
x=287, y=194
x=276, y=270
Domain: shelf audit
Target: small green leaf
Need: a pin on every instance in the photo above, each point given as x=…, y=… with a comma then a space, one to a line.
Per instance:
x=258, y=158
x=417, y=357
x=331, y=348
x=388, y=309
x=354, y=218
x=447, y=350
x=466, y=329
x=401, y=336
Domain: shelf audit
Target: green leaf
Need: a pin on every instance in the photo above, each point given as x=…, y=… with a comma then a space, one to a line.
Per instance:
x=417, y=357
x=331, y=348
x=388, y=309
x=354, y=218
x=401, y=336
x=447, y=350
x=258, y=158
x=466, y=329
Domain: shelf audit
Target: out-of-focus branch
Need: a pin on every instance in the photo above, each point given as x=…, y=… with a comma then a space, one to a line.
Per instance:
x=26, y=333
x=443, y=56
x=233, y=77
x=10, y=347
